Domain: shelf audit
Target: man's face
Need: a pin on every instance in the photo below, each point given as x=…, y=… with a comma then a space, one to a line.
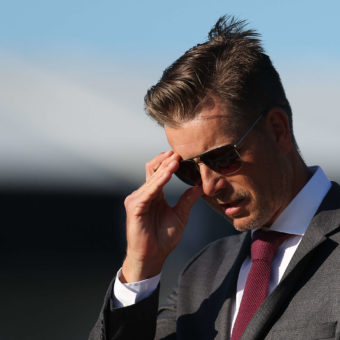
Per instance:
x=259, y=191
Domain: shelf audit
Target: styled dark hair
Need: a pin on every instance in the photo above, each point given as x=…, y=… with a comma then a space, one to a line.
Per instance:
x=231, y=65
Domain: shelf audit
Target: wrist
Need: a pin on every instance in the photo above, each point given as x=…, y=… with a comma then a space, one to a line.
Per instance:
x=135, y=271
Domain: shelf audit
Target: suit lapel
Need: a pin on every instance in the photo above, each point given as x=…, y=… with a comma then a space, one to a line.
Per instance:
x=325, y=221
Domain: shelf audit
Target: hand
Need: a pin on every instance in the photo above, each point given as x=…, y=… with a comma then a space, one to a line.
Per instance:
x=153, y=228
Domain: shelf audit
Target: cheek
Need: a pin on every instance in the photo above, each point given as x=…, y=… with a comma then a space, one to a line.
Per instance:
x=262, y=175
x=267, y=192
x=257, y=189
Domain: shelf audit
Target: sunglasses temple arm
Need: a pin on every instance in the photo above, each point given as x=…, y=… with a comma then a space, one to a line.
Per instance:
x=248, y=131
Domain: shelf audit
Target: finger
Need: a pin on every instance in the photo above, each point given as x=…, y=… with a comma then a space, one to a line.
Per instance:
x=173, y=159
x=152, y=190
x=152, y=166
x=186, y=202
x=163, y=175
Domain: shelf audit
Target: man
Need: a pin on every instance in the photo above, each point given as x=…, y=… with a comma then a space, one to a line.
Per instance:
x=229, y=125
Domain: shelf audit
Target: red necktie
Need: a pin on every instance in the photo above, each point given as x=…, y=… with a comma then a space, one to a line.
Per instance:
x=263, y=249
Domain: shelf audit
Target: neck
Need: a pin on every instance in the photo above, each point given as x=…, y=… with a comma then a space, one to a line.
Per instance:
x=300, y=174
x=296, y=176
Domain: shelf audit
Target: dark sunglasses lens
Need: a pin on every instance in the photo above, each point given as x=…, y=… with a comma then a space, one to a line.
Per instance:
x=224, y=160
x=188, y=172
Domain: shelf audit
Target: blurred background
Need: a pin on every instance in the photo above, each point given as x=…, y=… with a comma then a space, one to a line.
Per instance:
x=74, y=138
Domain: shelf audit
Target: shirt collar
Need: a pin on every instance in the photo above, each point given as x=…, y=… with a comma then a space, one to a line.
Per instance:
x=298, y=214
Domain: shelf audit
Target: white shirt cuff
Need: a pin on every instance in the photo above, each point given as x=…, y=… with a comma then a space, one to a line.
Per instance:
x=127, y=294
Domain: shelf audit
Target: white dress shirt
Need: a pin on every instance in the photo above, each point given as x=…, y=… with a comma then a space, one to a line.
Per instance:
x=295, y=220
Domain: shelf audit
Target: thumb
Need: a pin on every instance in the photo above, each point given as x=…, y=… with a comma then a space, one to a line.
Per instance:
x=186, y=202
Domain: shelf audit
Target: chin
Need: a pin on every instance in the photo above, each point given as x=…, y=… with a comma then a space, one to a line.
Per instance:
x=245, y=223
x=242, y=228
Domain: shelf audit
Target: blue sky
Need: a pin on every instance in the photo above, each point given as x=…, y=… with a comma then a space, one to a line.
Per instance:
x=73, y=75
x=162, y=27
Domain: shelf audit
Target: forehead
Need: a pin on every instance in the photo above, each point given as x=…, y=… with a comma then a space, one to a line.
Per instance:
x=207, y=131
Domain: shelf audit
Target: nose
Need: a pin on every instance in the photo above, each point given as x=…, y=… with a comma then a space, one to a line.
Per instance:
x=212, y=182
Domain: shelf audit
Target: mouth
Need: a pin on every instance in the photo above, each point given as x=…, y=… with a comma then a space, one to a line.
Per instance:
x=233, y=207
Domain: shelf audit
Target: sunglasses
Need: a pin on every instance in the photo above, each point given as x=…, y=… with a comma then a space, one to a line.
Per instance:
x=225, y=160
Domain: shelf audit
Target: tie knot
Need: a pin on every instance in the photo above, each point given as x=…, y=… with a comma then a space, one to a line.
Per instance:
x=265, y=244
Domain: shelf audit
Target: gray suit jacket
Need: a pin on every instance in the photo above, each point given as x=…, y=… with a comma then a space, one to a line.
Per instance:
x=305, y=305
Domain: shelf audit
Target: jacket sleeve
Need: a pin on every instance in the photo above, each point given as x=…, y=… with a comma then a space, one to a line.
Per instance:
x=127, y=323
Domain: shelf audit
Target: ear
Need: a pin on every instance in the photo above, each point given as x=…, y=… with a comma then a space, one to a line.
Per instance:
x=277, y=125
